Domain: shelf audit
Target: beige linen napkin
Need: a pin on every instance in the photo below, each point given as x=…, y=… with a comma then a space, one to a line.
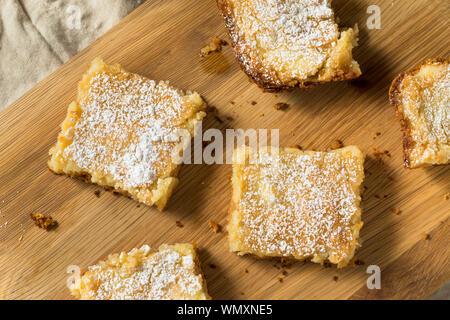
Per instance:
x=37, y=36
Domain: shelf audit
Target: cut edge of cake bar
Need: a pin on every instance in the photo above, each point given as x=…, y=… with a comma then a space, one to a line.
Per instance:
x=242, y=156
x=407, y=125
x=91, y=285
x=338, y=66
x=165, y=185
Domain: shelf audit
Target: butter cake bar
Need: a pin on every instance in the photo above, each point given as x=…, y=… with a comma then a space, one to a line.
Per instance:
x=296, y=204
x=421, y=98
x=170, y=273
x=123, y=131
x=286, y=44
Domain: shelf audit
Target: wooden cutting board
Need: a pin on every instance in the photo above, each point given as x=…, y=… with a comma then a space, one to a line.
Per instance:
x=162, y=40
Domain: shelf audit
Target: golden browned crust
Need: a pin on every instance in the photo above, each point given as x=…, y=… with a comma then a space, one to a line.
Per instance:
x=257, y=75
x=395, y=100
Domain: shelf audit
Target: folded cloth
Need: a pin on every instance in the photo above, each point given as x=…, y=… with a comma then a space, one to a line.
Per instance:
x=37, y=36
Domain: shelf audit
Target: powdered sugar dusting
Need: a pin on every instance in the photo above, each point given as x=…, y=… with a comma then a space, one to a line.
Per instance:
x=300, y=205
x=128, y=128
x=286, y=38
x=164, y=275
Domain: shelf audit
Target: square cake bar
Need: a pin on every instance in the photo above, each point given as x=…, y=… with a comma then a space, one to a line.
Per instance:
x=421, y=97
x=170, y=273
x=122, y=133
x=296, y=204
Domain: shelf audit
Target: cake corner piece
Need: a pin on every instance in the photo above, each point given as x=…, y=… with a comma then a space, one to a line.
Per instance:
x=420, y=97
x=121, y=276
x=274, y=213
x=121, y=131
x=280, y=45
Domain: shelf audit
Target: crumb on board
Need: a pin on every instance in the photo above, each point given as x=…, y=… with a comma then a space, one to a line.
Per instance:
x=379, y=154
x=335, y=278
x=245, y=270
x=232, y=102
x=446, y=196
x=359, y=262
x=396, y=211
x=215, y=226
x=97, y=193
x=45, y=222
x=336, y=144
x=377, y=134
x=280, y=279
x=261, y=115
x=281, y=106
x=426, y=236
x=215, y=45
x=253, y=103
x=242, y=293
x=286, y=263
x=179, y=224
x=229, y=118
x=218, y=119
x=212, y=266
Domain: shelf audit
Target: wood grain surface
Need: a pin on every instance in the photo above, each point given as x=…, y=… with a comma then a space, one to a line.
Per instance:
x=162, y=40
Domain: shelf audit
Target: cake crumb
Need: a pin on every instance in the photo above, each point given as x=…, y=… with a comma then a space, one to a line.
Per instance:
x=43, y=221
x=426, y=236
x=396, y=211
x=280, y=279
x=97, y=193
x=446, y=196
x=359, y=262
x=218, y=119
x=245, y=270
x=215, y=226
x=336, y=144
x=212, y=266
x=215, y=45
x=179, y=224
x=261, y=115
x=335, y=278
x=377, y=134
x=253, y=103
x=379, y=154
x=286, y=263
x=281, y=106
x=21, y=238
x=211, y=109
